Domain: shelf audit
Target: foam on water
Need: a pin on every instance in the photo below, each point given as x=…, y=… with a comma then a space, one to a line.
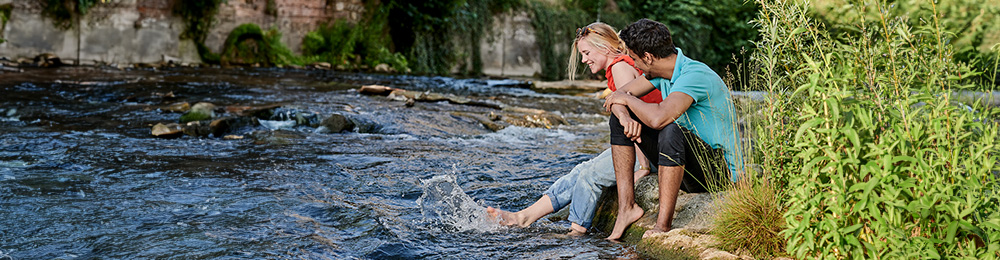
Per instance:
x=446, y=203
x=516, y=135
x=277, y=124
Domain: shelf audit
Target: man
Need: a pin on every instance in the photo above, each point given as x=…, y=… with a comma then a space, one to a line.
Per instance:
x=689, y=136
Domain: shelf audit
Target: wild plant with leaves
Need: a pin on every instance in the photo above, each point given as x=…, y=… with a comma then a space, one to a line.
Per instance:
x=861, y=134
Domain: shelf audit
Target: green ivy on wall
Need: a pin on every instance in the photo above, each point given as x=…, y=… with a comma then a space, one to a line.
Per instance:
x=63, y=12
x=198, y=17
x=5, y=10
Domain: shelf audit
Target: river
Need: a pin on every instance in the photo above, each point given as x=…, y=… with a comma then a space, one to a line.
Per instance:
x=81, y=177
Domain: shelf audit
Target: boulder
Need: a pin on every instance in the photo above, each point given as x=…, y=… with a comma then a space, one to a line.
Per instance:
x=378, y=90
x=384, y=68
x=179, y=107
x=692, y=212
x=336, y=123
x=197, y=128
x=322, y=65
x=166, y=130
x=265, y=111
x=200, y=111
x=47, y=60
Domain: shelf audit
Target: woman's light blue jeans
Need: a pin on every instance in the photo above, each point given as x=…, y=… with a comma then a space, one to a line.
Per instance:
x=581, y=188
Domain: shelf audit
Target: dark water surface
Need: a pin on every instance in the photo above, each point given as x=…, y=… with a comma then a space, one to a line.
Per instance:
x=81, y=177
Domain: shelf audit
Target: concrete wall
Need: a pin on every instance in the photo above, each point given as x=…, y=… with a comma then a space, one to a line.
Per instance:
x=144, y=31
x=510, y=50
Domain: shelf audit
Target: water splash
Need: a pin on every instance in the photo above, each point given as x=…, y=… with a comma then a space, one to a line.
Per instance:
x=445, y=202
x=277, y=124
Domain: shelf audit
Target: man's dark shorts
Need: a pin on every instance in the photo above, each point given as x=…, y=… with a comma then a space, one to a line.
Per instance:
x=675, y=146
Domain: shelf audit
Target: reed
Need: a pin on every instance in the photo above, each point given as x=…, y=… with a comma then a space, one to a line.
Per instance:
x=861, y=138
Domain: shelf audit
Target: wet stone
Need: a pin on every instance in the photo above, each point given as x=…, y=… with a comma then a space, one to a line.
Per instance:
x=336, y=123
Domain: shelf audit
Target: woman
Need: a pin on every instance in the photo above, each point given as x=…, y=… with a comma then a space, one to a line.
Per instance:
x=600, y=48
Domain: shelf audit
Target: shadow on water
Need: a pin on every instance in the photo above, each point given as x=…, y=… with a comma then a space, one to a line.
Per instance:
x=81, y=176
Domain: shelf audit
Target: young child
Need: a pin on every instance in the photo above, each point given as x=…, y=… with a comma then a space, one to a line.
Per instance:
x=600, y=48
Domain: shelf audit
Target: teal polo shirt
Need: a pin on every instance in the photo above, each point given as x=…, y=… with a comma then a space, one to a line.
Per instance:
x=711, y=116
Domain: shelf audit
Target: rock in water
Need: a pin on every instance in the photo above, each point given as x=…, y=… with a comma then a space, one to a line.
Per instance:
x=166, y=130
x=200, y=111
x=337, y=123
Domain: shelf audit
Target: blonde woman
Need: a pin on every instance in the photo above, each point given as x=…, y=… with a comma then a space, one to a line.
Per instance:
x=598, y=46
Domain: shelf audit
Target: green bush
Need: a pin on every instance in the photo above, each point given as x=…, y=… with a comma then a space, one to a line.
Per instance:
x=708, y=31
x=366, y=43
x=965, y=24
x=247, y=44
x=873, y=156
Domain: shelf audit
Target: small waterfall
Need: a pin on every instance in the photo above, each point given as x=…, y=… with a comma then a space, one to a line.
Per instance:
x=446, y=203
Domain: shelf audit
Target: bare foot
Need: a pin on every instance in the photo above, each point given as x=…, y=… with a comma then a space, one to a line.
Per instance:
x=576, y=230
x=506, y=218
x=654, y=231
x=639, y=174
x=624, y=219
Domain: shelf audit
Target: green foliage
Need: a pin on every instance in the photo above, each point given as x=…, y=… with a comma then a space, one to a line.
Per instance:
x=366, y=43
x=964, y=24
x=875, y=157
x=750, y=218
x=248, y=44
x=708, y=31
x=555, y=29
x=198, y=16
x=62, y=12
x=440, y=35
x=5, y=10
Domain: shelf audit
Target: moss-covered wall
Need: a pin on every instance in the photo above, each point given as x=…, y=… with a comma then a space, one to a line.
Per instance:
x=146, y=31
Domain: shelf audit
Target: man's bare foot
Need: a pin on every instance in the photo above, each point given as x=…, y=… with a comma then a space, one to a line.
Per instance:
x=576, y=230
x=654, y=231
x=624, y=219
x=507, y=218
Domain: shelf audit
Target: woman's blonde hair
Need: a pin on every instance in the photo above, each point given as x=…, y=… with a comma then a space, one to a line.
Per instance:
x=605, y=37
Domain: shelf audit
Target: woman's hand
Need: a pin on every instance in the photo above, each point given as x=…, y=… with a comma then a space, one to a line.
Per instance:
x=632, y=128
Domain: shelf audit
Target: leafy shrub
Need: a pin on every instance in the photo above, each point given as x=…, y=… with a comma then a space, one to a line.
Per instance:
x=248, y=44
x=965, y=23
x=873, y=156
x=708, y=31
x=366, y=43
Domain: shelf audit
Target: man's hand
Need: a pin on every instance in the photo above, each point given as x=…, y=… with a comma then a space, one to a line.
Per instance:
x=617, y=97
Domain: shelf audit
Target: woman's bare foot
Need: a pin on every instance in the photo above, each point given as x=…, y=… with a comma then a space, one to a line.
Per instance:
x=624, y=219
x=576, y=230
x=639, y=174
x=507, y=218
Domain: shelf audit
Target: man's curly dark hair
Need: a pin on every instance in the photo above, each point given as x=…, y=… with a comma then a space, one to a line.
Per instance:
x=649, y=36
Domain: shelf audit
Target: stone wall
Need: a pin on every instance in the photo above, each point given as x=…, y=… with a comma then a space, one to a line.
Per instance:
x=510, y=50
x=146, y=31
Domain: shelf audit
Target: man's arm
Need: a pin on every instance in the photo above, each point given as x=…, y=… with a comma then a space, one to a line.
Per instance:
x=640, y=86
x=656, y=116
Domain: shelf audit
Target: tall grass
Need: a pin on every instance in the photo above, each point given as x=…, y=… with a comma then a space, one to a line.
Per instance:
x=862, y=140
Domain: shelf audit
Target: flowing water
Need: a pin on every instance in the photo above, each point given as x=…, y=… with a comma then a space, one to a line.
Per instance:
x=81, y=177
